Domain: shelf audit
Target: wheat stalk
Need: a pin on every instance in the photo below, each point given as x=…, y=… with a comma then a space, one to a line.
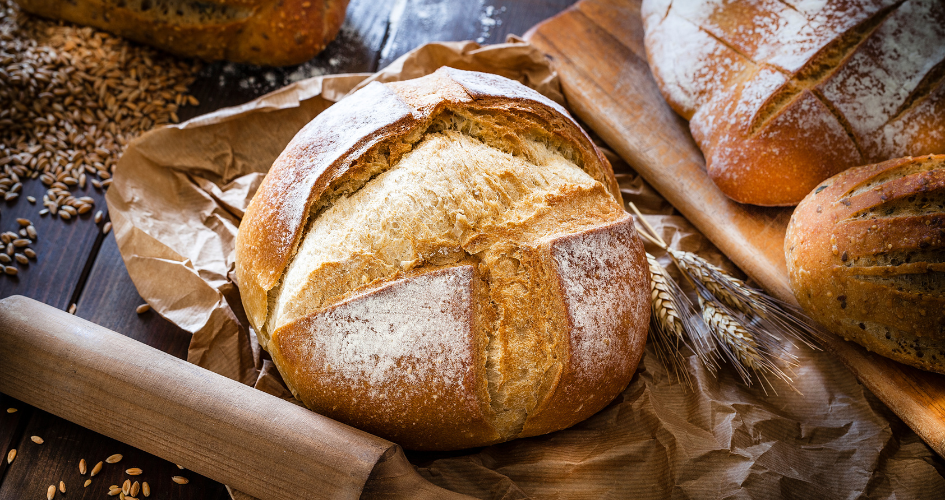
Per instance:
x=726, y=288
x=739, y=323
x=730, y=331
x=663, y=299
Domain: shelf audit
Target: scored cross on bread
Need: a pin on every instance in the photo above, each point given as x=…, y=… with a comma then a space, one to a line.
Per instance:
x=782, y=94
x=446, y=262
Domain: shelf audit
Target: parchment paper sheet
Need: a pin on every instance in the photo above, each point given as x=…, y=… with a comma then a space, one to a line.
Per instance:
x=176, y=201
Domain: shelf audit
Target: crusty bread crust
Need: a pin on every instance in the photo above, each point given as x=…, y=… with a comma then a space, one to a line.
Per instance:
x=866, y=258
x=264, y=32
x=782, y=96
x=539, y=323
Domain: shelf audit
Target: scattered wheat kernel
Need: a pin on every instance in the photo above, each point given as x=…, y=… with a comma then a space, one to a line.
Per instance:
x=11, y=410
x=62, y=486
x=121, y=495
x=82, y=466
x=135, y=488
x=96, y=469
x=51, y=492
x=114, y=459
x=87, y=483
x=36, y=439
x=134, y=471
x=72, y=309
x=106, y=228
x=126, y=486
x=180, y=479
x=143, y=308
x=11, y=456
x=181, y=467
x=146, y=489
x=114, y=491
x=31, y=199
x=98, y=216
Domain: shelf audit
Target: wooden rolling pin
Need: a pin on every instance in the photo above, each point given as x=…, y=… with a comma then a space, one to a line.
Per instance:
x=252, y=441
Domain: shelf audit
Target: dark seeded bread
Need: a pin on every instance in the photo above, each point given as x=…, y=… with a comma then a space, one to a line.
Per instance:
x=866, y=257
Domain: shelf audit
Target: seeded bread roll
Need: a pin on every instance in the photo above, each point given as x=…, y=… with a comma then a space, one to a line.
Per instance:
x=445, y=262
x=781, y=95
x=866, y=258
x=265, y=32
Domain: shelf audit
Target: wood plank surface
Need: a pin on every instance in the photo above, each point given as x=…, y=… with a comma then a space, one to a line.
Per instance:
x=621, y=102
x=63, y=248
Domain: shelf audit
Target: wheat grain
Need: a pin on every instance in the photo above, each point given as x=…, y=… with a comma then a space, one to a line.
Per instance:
x=663, y=301
x=135, y=488
x=728, y=289
x=87, y=483
x=11, y=455
x=145, y=489
x=51, y=492
x=733, y=334
x=82, y=467
x=180, y=479
x=96, y=469
x=36, y=439
x=134, y=471
x=62, y=486
x=126, y=486
x=114, y=459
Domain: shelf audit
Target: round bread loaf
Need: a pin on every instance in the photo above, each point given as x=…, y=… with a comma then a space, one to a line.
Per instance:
x=782, y=95
x=265, y=32
x=445, y=262
x=866, y=258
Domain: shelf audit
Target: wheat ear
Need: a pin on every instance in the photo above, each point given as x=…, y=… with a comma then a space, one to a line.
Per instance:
x=664, y=302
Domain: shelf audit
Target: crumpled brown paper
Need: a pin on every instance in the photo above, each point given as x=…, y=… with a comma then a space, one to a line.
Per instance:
x=178, y=195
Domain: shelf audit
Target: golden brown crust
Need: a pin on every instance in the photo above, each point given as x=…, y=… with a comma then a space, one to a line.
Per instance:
x=866, y=258
x=264, y=32
x=808, y=91
x=377, y=119
x=539, y=324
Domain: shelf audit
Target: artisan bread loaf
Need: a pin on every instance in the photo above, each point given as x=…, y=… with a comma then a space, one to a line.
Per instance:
x=445, y=262
x=265, y=32
x=782, y=95
x=866, y=258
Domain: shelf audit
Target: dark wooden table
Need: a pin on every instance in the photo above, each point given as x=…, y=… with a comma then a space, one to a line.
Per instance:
x=78, y=264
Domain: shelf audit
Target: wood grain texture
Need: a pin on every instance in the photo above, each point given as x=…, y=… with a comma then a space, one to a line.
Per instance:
x=416, y=22
x=621, y=102
x=64, y=444
x=111, y=384
x=63, y=247
x=110, y=298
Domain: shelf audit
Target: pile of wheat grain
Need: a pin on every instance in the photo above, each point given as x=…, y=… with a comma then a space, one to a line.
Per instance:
x=71, y=98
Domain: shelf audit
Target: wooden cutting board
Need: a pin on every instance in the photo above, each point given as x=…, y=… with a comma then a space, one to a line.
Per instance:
x=597, y=48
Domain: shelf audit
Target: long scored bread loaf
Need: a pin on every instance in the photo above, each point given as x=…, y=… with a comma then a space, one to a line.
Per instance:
x=866, y=258
x=265, y=32
x=782, y=94
x=445, y=262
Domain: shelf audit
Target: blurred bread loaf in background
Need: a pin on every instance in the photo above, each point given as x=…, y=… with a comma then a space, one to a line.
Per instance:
x=866, y=258
x=263, y=32
x=781, y=95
